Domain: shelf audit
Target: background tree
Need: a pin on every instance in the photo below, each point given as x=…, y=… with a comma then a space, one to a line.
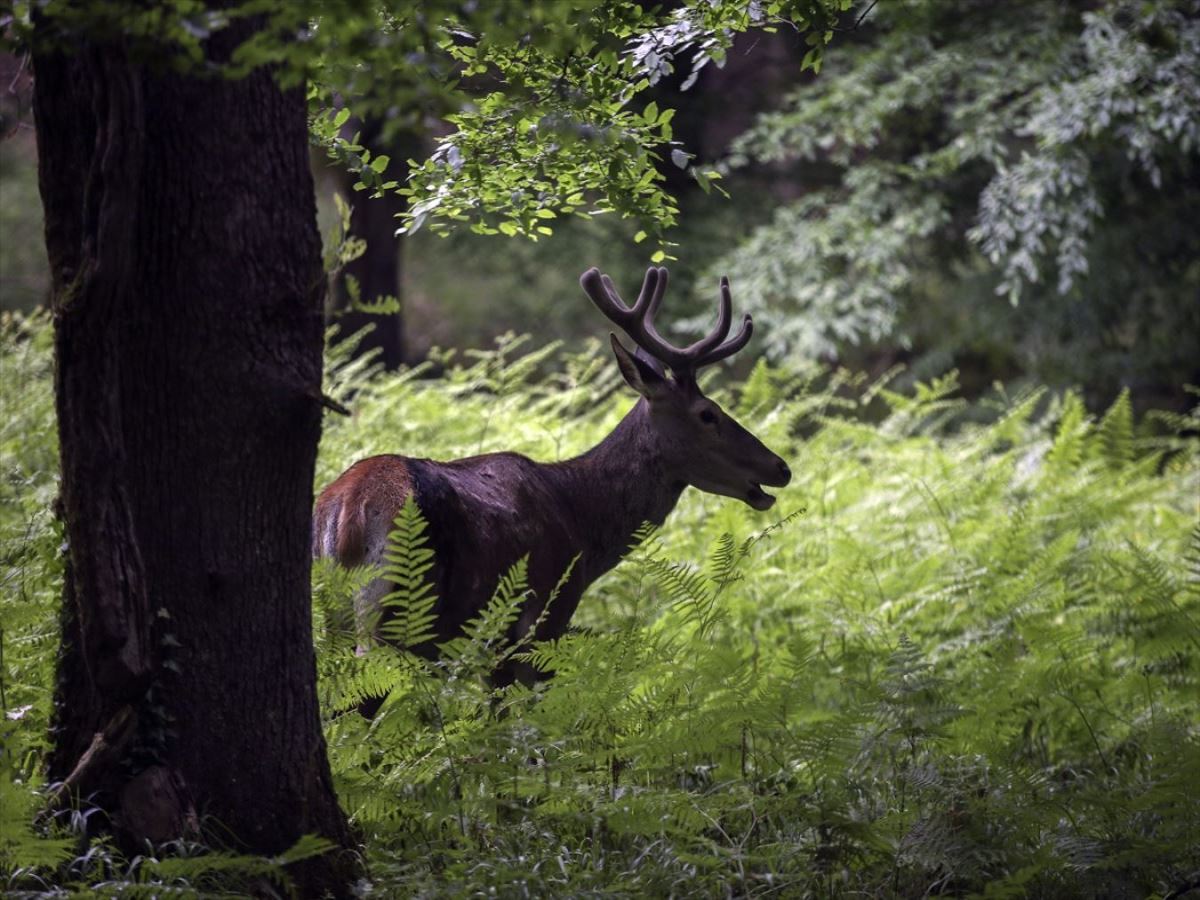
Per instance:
x=1009, y=193
x=396, y=116
x=396, y=110
x=370, y=287
x=187, y=289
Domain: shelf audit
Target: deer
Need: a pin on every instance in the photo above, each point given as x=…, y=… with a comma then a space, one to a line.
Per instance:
x=484, y=513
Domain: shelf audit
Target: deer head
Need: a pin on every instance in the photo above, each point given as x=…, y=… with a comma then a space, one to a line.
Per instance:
x=701, y=444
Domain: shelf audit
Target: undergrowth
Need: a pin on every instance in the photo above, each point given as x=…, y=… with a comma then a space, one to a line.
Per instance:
x=957, y=658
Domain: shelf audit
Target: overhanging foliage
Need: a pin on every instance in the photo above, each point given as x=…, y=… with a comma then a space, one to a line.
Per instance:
x=957, y=149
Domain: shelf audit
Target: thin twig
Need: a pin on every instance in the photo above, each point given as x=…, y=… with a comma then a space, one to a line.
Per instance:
x=329, y=403
x=106, y=746
x=20, y=71
x=859, y=20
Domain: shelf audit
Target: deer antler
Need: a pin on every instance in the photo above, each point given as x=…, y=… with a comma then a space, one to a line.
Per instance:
x=637, y=321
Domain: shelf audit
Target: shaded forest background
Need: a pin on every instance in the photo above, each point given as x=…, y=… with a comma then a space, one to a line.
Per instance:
x=961, y=655
x=959, y=188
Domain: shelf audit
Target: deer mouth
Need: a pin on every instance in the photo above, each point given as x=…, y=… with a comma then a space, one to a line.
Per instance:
x=758, y=498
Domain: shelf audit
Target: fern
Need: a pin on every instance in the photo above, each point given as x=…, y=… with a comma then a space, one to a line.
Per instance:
x=723, y=561
x=737, y=712
x=349, y=678
x=518, y=647
x=1115, y=432
x=411, y=603
x=1069, y=446
x=688, y=590
x=485, y=635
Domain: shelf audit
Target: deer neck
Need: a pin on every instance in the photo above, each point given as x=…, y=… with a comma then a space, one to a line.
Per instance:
x=614, y=488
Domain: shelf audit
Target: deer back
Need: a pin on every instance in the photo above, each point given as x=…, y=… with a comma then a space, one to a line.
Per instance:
x=483, y=514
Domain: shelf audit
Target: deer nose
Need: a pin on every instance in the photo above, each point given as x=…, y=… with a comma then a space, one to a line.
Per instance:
x=784, y=472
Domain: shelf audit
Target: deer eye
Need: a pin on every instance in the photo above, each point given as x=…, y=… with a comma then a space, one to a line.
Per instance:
x=708, y=417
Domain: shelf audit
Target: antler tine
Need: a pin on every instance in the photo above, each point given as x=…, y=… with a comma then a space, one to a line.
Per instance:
x=651, y=293
x=638, y=321
x=633, y=320
x=736, y=343
x=659, y=291
x=604, y=294
x=701, y=348
x=709, y=349
x=654, y=288
x=656, y=299
x=600, y=291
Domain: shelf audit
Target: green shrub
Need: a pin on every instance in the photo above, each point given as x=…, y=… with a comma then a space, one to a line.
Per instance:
x=959, y=658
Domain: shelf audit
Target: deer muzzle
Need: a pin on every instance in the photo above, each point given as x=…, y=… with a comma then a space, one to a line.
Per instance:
x=760, y=499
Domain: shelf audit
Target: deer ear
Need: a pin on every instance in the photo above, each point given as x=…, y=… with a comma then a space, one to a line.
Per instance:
x=638, y=373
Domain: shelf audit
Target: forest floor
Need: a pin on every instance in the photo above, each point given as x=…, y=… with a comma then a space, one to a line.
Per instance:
x=960, y=656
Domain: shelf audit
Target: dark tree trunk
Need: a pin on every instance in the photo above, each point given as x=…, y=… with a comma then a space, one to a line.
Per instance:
x=379, y=271
x=181, y=231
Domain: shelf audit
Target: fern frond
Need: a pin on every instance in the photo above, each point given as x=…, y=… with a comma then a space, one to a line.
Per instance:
x=350, y=678
x=689, y=592
x=484, y=638
x=723, y=561
x=1192, y=560
x=523, y=641
x=1070, y=443
x=1115, y=432
x=411, y=602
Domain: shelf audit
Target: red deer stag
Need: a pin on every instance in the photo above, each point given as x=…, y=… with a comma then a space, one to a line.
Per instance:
x=486, y=512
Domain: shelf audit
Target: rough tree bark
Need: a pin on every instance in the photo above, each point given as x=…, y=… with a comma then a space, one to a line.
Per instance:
x=187, y=296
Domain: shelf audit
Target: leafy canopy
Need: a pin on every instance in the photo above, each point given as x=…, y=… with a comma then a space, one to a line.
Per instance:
x=542, y=96
x=956, y=148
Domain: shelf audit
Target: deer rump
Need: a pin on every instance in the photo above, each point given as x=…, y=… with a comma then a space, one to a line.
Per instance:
x=481, y=521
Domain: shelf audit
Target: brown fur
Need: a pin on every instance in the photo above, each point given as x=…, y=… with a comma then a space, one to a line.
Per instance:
x=374, y=488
